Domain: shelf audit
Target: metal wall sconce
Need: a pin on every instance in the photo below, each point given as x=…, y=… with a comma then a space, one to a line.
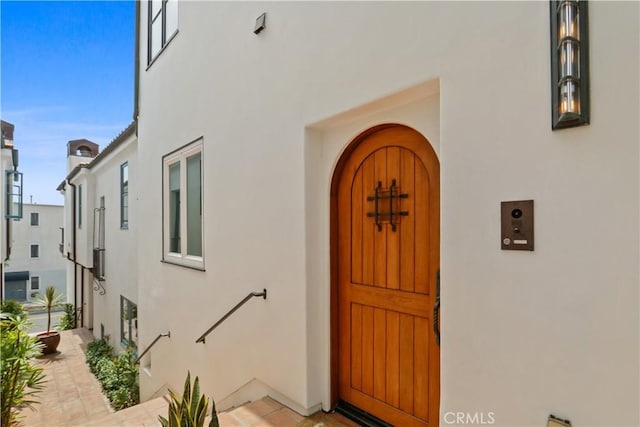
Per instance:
x=569, y=63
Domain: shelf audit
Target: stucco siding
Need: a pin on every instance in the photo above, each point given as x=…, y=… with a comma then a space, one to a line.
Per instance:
x=524, y=334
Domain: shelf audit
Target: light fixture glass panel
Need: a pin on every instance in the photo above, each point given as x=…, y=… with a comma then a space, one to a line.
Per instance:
x=569, y=59
x=568, y=20
x=569, y=63
x=569, y=97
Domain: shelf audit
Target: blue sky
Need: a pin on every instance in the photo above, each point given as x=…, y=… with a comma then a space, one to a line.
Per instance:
x=66, y=73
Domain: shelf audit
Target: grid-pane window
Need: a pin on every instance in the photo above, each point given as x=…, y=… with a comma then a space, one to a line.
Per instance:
x=128, y=322
x=194, y=205
x=174, y=207
x=124, y=195
x=35, y=219
x=183, y=227
x=35, y=251
x=171, y=20
x=162, y=25
x=35, y=283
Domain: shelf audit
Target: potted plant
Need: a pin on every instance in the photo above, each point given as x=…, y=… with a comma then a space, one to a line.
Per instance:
x=50, y=339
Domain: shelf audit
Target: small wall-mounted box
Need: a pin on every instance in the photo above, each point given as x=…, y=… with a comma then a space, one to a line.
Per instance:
x=261, y=23
x=554, y=421
x=517, y=225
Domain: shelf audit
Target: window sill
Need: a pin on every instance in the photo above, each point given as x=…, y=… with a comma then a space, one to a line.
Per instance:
x=183, y=264
x=153, y=60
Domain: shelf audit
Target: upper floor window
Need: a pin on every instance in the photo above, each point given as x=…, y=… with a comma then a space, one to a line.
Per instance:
x=34, y=251
x=182, y=206
x=124, y=195
x=35, y=219
x=79, y=206
x=162, y=25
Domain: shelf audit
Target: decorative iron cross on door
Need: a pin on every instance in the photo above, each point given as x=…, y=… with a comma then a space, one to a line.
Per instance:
x=387, y=198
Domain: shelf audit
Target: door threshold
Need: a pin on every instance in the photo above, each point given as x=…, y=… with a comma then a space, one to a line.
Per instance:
x=359, y=416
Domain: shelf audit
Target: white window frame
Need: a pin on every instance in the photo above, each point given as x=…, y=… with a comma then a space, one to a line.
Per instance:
x=31, y=245
x=181, y=156
x=31, y=288
x=165, y=37
x=37, y=216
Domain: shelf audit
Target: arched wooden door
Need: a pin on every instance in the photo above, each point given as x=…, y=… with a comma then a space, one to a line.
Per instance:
x=387, y=248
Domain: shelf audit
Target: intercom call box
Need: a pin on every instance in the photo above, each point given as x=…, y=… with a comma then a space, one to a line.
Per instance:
x=517, y=225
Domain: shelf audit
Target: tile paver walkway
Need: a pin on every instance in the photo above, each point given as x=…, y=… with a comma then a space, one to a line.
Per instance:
x=73, y=397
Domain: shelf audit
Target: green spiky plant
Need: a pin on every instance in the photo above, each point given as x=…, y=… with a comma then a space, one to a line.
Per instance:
x=191, y=409
x=21, y=379
x=12, y=307
x=68, y=320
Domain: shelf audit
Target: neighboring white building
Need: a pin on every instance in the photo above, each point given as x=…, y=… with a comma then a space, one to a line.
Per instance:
x=36, y=260
x=273, y=160
x=10, y=199
x=100, y=239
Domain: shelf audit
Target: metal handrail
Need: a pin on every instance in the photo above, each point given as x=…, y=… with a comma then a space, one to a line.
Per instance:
x=262, y=294
x=166, y=334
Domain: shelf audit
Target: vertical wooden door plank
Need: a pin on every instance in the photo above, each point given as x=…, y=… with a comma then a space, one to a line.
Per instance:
x=406, y=363
x=380, y=237
x=367, y=350
x=407, y=243
x=393, y=358
x=379, y=353
x=357, y=217
x=421, y=374
x=422, y=229
x=356, y=346
x=393, y=238
x=368, y=228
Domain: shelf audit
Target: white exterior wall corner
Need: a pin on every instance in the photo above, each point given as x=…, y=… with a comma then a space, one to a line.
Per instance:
x=80, y=255
x=121, y=245
x=523, y=334
x=103, y=179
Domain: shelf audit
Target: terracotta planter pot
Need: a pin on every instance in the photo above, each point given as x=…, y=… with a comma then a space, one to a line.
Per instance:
x=50, y=340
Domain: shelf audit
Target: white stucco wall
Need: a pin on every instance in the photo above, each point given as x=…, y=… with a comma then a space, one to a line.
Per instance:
x=101, y=178
x=121, y=272
x=49, y=265
x=523, y=334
